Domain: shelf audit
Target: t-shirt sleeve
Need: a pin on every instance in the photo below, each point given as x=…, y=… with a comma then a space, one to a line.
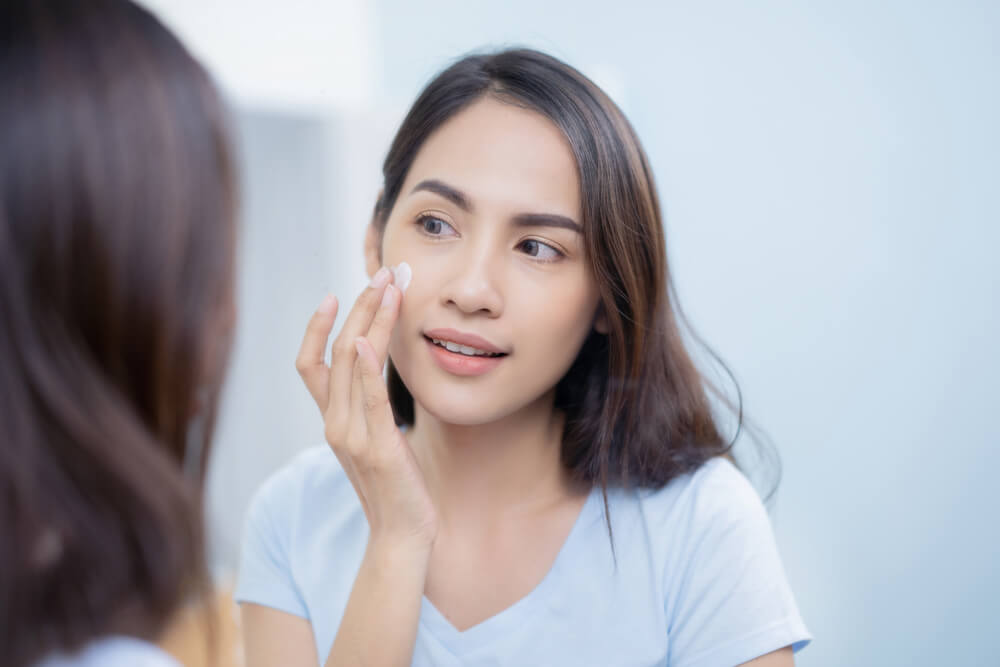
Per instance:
x=265, y=574
x=729, y=600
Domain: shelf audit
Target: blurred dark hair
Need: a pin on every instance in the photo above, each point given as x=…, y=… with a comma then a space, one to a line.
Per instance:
x=637, y=409
x=117, y=226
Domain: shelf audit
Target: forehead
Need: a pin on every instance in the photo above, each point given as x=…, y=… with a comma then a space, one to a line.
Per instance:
x=502, y=155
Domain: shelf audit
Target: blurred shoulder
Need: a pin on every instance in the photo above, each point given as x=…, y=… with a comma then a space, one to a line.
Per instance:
x=312, y=474
x=716, y=492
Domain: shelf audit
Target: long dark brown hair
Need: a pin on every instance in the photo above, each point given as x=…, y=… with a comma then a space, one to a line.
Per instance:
x=117, y=223
x=637, y=408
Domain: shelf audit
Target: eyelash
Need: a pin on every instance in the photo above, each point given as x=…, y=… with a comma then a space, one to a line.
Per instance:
x=422, y=219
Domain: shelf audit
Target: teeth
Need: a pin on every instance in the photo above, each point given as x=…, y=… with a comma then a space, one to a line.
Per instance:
x=463, y=349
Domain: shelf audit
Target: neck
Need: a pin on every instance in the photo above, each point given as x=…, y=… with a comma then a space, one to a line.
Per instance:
x=483, y=474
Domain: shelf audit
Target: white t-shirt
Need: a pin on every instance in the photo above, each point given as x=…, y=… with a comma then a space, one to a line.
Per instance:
x=699, y=581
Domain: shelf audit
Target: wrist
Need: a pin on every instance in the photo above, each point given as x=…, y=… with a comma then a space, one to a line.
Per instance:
x=399, y=553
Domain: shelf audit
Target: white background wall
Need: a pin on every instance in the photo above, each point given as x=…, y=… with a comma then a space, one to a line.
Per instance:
x=829, y=172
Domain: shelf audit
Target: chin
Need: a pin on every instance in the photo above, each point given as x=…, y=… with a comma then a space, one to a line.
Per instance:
x=462, y=409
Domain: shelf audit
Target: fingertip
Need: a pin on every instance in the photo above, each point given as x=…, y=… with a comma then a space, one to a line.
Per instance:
x=328, y=304
x=381, y=278
x=387, y=297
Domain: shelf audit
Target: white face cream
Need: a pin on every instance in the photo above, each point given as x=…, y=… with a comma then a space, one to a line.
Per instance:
x=402, y=274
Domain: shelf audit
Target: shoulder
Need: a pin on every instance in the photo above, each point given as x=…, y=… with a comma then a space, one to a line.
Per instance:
x=313, y=478
x=727, y=597
x=705, y=520
x=717, y=492
x=306, y=508
x=718, y=575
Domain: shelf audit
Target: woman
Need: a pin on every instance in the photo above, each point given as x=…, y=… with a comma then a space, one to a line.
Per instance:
x=117, y=223
x=537, y=384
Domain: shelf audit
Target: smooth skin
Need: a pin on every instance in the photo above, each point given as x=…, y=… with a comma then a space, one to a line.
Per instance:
x=452, y=504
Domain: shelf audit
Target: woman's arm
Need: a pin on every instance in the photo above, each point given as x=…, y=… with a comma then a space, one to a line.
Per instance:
x=272, y=637
x=780, y=658
x=379, y=625
x=380, y=621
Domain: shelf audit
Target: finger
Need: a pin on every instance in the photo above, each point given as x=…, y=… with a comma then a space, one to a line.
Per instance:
x=311, y=360
x=385, y=319
x=344, y=352
x=354, y=437
x=357, y=428
x=377, y=409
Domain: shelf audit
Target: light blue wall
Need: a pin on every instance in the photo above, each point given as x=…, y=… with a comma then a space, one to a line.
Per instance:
x=830, y=177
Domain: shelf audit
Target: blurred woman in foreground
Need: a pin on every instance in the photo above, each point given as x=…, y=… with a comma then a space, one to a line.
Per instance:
x=117, y=224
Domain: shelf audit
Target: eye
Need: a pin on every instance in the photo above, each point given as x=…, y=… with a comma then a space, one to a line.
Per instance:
x=543, y=252
x=434, y=226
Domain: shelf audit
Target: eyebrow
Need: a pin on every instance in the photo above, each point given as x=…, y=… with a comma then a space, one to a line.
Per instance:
x=459, y=199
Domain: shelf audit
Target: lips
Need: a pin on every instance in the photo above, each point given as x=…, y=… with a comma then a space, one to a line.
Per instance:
x=457, y=363
x=465, y=339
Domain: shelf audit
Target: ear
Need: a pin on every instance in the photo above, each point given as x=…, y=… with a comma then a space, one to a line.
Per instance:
x=601, y=320
x=373, y=239
x=373, y=250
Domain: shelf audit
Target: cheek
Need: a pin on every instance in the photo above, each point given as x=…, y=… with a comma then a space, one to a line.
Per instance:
x=564, y=315
x=424, y=265
x=416, y=302
x=405, y=328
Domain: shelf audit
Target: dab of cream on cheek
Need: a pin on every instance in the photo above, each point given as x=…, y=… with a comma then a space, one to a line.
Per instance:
x=402, y=274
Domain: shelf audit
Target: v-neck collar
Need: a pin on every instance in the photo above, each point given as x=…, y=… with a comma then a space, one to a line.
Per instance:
x=505, y=621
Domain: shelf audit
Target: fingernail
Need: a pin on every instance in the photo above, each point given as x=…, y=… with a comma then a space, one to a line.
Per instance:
x=381, y=278
x=327, y=305
x=403, y=274
x=387, y=296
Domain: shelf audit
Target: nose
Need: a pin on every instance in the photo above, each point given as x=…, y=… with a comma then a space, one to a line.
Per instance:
x=475, y=285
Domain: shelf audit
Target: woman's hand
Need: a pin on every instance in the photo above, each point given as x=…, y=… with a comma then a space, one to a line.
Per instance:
x=359, y=426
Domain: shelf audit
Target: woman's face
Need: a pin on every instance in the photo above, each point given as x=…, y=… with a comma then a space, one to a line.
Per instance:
x=489, y=221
